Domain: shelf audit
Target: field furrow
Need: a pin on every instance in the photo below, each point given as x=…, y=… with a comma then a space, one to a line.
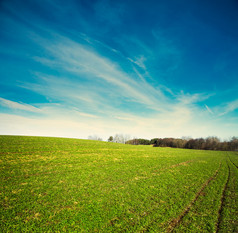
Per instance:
x=223, y=200
x=228, y=214
x=233, y=162
x=175, y=222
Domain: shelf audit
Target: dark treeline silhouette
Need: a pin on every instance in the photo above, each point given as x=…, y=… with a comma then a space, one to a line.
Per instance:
x=209, y=143
x=139, y=141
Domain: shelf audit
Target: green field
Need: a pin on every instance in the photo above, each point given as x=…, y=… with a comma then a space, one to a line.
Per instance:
x=72, y=185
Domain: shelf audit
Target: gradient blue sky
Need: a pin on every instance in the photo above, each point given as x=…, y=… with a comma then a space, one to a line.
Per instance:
x=143, y=68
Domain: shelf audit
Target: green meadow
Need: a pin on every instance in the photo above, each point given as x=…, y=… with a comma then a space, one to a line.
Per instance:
x=72, y=185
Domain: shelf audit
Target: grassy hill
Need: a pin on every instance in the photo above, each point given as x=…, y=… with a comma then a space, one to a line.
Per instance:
x=72, y=185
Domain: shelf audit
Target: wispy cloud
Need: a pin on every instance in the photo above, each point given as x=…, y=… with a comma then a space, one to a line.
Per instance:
x=188, y=98
x=86, y=114
x=18, y=106
x=139, y=61
x=208, y=109
x=228, y=107
x=87, y=64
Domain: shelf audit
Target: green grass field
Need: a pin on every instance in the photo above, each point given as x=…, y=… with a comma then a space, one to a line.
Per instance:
x=71, y=185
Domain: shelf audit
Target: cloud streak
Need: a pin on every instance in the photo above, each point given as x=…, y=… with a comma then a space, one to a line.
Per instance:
x=228, y=108
x=208, y=109
x=79, y=60
x=18, y=106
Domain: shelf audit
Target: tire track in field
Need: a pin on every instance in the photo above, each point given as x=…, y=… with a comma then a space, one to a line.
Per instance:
x=223, y=197
x=232, y=162
x=175, y=222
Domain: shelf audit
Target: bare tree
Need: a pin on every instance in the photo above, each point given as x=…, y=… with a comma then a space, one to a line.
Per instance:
x=234, y=143
x=120, y=138
x=94, y=137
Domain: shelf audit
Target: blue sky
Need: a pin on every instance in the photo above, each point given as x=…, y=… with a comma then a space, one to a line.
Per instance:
x=142, y=68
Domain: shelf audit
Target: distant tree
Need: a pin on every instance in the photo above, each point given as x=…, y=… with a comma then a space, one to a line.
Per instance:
x=201, y=143
x=120, y=138
x=110, y=139
x=224, y=146
x=209, y=143
x=139, y=141
x=198, y=143
x=212, y=143
x=165, y=142
x=143, y=141
x=117, y=138
x=132, y=141
x=178, y=143
x=94, y=137
x=234, y=143
x=190, y=144
x=126, y=137
x=153, y=141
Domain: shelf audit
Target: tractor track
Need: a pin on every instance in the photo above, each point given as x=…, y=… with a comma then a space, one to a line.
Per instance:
x=219, y=221
x=232, y=162
x=223, y=200
x=175, y=222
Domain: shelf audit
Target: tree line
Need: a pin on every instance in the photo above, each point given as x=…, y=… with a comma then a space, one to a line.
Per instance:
x=209, y=143
x=118, y=138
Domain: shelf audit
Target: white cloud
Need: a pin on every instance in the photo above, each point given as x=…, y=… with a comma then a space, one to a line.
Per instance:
x=87, y=115
x=19, y=106
x=139, y=61
x=208, y=109
x=228, y=107
x=187, y=99
x=125, y=118
x=88, y=65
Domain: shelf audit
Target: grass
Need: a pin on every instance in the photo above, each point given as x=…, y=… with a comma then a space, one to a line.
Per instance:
x=71, y=185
